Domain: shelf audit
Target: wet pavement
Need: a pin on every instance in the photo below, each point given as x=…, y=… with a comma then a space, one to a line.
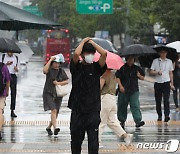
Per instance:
x=26, y=133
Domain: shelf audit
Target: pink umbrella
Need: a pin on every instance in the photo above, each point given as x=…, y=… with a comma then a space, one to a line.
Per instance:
x=113, y=61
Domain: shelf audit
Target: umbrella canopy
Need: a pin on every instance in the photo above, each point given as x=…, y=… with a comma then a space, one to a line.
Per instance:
x=113, y=61
x=107, y=45
x=146, y=61
x=136, y=50
x=25, y=49
x=172, y=53
x=3, y=17
x=175, y=45
x=17, y=19
x=7, y=45
x=26, y=52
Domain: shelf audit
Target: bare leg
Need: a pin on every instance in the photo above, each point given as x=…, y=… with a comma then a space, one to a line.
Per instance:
x=1, y=119
x=53, y=117
x=50, y=123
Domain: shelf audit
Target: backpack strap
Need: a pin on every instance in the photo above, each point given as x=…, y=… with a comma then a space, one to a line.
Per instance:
x=17, y=60
x=3, y=56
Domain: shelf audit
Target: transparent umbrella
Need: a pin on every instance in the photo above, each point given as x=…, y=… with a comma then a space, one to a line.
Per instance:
x=26, y=53
x=175, y=45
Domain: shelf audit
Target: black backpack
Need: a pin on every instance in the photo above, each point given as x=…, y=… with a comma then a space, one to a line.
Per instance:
x=2, y=84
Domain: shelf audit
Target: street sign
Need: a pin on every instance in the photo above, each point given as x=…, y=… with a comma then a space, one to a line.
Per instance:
x=32, y=9
x=94, y=6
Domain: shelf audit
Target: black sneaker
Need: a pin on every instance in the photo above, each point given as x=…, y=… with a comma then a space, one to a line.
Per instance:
x=166, y=119
x=13, y=115
x=159, y=119
x=0, y=136
x=49, y=131
x=142, y=123
x=56, y=131
x=122, y=125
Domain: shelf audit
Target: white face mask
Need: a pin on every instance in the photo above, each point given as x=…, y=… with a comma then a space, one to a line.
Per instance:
x=89, y=58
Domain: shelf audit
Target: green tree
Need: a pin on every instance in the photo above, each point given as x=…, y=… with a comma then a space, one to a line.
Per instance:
x=83, y=25
x=168, y=15
x=143, y=14
x=141, y=21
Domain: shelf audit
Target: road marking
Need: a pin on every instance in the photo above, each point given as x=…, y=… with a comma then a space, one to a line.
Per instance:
x=18, y=146
x=67, y=123
x=120, y=149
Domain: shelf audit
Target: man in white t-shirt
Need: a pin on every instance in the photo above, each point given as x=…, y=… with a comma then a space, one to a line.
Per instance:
x=162, y=69
x=11, y=62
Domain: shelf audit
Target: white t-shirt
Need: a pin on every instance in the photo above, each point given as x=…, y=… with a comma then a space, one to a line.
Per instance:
x=165, y=66
x=10, y=67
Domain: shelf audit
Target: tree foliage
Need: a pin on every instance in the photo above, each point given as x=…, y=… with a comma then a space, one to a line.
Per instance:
x=168, y=15
x=141, y=21
x=140, y=16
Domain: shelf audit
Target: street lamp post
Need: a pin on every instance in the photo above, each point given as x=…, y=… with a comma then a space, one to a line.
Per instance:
x=128, y=40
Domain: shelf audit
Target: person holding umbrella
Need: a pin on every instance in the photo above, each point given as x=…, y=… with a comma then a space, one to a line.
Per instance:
x=11, y=61
x=10, y=47
x=162, y=69
x=127, y=78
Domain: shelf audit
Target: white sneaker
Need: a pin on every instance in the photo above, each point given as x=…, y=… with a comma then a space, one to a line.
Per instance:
x=177, y=109
x=128, y=139
x=100, y=146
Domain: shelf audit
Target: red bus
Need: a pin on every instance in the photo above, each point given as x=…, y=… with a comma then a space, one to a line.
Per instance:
x=57, y=41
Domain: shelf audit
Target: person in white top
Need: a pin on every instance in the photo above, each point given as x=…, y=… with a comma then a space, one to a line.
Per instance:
x=162, y=69
x=12, y=63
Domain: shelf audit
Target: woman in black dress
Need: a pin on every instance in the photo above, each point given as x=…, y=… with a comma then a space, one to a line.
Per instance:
x=55, y=75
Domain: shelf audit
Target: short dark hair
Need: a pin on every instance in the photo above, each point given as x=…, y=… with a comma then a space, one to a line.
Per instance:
x=128, y=56
x=163, y=50
x=88, y=47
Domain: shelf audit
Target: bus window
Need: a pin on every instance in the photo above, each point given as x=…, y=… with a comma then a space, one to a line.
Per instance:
x=58, y=34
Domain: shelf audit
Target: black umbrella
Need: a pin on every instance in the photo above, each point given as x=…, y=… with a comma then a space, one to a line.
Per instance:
x=7, y=45
x=136, y=50
x=171, y=52
x=17, y=19
x=146, y=61
x=107, y=45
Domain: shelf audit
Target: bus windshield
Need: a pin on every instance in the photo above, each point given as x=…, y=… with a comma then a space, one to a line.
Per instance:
x=58, y=34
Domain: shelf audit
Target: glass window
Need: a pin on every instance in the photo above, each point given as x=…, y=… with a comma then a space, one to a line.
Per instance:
x=58, y=34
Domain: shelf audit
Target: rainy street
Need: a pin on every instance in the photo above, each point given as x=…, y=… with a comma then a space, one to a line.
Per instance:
x=26, y=133
x=126, y=48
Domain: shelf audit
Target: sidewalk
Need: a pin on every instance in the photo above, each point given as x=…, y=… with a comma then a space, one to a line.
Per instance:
x=34, y=139
x=26, y=133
